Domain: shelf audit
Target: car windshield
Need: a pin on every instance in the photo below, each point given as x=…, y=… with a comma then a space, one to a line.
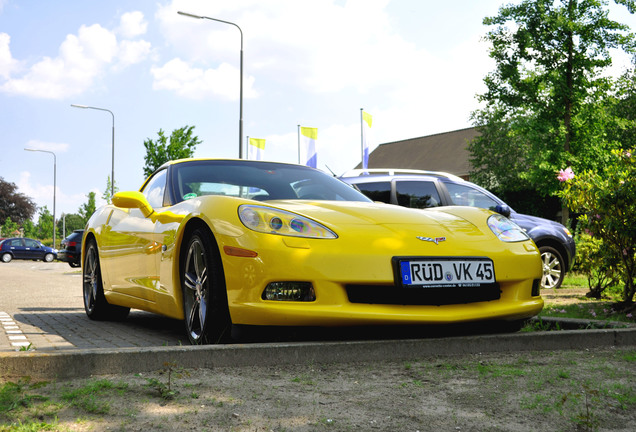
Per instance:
x=258, y=180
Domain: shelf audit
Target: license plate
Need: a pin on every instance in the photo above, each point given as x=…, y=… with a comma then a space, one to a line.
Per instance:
x=445, y=272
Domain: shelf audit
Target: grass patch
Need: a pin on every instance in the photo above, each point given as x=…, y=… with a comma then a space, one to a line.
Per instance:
x=582, y=307
x=590, y=310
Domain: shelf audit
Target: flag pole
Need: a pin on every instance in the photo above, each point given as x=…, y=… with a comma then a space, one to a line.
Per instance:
x=298, y=144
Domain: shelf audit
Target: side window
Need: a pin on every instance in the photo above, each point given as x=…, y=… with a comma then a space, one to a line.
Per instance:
x=155, y=189
x=31, y=243
x=417, y=194
x=16, y=242
x=376, y=191
x=468, y=196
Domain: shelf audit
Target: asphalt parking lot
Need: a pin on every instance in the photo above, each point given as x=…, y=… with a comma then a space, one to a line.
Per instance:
x=46, y=333
x=42, y=302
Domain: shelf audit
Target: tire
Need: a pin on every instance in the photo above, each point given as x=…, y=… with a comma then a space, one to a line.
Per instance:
x=48, y=257
x=7, y=257
x=207, y=317
x=74, y=264
x=553, y=269
x=95, y=304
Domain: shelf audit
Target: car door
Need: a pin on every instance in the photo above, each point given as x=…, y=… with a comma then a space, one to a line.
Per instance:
x=16, y=246
x=33, y=249
x=130, y=252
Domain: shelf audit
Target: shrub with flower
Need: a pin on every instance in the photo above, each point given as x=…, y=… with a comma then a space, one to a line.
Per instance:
x=606, y=201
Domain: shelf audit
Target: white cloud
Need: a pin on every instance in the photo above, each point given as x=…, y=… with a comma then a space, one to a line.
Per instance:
x=81, y=59
x=7, y=63
x=196, y=83
x=132, y=52
x=132, y=24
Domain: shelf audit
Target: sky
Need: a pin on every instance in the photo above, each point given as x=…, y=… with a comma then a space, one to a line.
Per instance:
x=414, y=65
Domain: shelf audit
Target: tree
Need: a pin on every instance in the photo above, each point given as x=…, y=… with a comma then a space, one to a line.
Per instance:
x=546, y=104
x=107, y=195
x=86, y=210
x=68, y=223
x=45, y=224
x=29, y=229
x=14, y=205
x=181, y=144
x=9, y=227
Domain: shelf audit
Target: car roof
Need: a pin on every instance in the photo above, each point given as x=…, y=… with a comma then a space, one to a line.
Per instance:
x=387, y=173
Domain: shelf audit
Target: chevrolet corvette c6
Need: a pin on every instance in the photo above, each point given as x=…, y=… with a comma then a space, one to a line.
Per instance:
x=222, y=243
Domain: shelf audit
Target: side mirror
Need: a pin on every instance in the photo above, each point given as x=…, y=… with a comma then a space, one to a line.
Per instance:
x=503, y=209
x=133, y=200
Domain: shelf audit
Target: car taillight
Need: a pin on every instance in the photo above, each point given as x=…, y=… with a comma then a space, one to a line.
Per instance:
x=72, y=244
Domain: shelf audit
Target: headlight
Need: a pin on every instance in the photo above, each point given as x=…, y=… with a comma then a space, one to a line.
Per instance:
x=274, y=221
x=505, y=229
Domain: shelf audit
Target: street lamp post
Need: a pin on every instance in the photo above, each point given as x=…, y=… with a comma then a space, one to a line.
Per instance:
x=241, y=76
x=112, y=175
x=54, y=183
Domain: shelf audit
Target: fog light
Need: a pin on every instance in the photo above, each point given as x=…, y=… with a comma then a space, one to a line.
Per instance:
x=289, y=291
x=536, y=287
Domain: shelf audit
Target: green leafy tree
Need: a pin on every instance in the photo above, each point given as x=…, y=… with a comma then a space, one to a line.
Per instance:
x=45, y=224
x=606, y=200
x=545, y=106
x=29, y=229
x=69, y=222
x=9, y=227
x=13, y=204
x=181, y=144
x=86, y=210
x=107, y=195
x=623, y=110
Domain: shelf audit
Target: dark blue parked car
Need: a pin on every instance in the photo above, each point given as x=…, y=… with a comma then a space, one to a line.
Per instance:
x=422, y=189
x=71, y=251
x=25, y=248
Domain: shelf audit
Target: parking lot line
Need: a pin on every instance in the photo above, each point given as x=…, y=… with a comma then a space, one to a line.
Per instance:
x=13, y=332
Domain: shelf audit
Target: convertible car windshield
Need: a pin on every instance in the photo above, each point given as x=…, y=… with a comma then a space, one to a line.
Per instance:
x=256, y=180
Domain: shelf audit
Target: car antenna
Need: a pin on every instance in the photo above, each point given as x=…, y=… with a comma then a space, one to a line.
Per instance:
x=332, y=173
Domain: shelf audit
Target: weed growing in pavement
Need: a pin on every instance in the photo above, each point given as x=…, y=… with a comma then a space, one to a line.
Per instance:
x=166, y=390
x=586, y=418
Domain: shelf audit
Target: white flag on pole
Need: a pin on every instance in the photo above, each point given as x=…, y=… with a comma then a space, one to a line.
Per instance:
x=308, y=153
x=256, y=148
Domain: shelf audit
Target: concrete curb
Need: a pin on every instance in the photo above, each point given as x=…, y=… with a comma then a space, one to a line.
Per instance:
x=84, y=363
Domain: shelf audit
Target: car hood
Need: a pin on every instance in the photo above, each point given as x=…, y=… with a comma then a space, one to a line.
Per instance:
x=535, y=223
x=341, y=213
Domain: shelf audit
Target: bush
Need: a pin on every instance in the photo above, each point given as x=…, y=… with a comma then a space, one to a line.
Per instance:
x=607, y=203
x=599, y=268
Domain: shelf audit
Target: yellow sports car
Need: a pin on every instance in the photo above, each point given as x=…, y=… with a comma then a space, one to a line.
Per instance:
x=219, y=243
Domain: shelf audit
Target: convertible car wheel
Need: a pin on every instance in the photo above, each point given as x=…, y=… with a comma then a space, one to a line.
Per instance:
x=552, y=268
x=207, y=318
x=95, y=304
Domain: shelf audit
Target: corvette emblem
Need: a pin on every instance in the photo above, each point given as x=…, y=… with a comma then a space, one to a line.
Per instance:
x=435, y=240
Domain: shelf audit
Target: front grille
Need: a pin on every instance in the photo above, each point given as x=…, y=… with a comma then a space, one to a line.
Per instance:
x=392, y=295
